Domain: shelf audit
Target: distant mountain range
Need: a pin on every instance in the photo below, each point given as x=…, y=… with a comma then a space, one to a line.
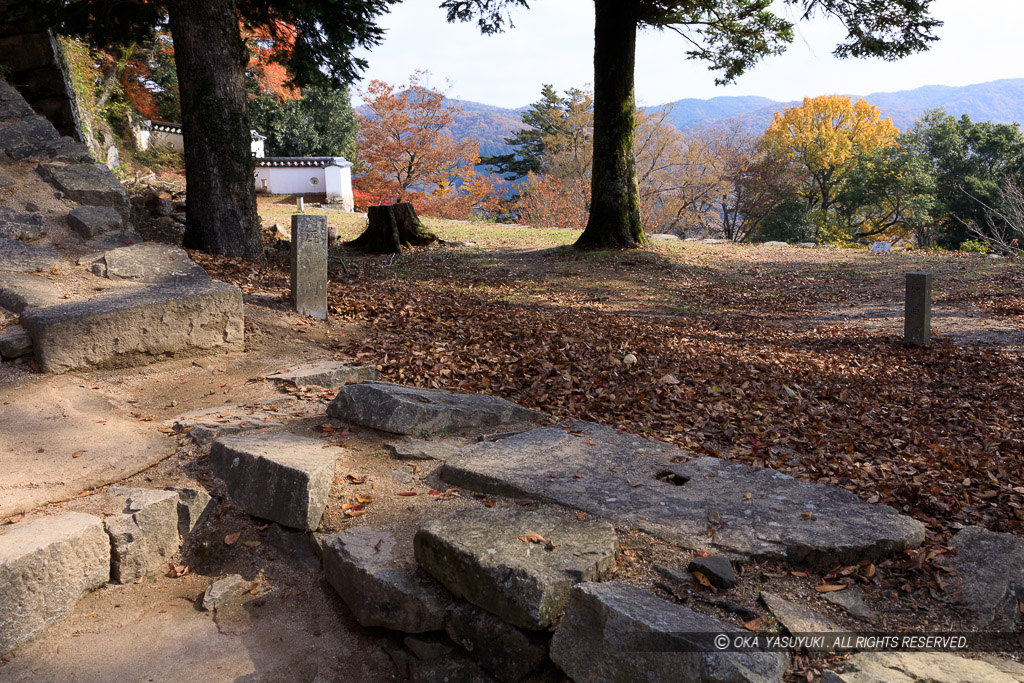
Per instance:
x=998, y=101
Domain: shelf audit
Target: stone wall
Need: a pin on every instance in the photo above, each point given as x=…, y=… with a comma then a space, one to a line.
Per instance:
x=31, y=61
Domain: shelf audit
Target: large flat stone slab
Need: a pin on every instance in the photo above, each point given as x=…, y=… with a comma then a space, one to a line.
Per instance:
x=329, y=374
x=989, y=579
x=678, y=496
x=918, y=667
x=127, y=329
x=152, y=262
x=63, y=149
x=281, y=477
x=44, y=421
x=47, y=564
x=18, y=257
x=479, y=555
x=19, y=291
x=615, y=632
x=380, y=589
x=408, y=410
x=91, y=184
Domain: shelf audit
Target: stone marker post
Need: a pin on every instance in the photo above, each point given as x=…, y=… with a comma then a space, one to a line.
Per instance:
x=309, y=265
x=917, y=322
x=300, y=204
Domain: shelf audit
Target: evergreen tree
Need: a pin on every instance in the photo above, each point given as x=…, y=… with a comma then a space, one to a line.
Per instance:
x=321, y=122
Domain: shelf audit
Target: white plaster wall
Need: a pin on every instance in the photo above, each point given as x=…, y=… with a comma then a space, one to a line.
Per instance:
x=290, y=180
x=172, y=141
x=339, y=186
x=258, y=147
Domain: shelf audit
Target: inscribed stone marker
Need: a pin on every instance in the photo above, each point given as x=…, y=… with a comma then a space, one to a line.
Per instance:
x=309, y=265
x=917, y=321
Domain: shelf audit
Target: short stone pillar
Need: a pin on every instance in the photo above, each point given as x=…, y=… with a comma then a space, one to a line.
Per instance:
x=309, y=265
x=300, y=204
x=917, y=321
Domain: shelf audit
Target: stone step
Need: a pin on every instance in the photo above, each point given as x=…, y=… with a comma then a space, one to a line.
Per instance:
x=380, y=589
x=517, y=565
x=19, y=291
x=18, y=257
x=281, y=477
x=129, y=329
x=329, y=375
x=47, y=565
x=409, y=410
x=91, y=184
x=616, y=632
x=15, y=342
x=678, y=496
x=989, y=579
x=143, y=529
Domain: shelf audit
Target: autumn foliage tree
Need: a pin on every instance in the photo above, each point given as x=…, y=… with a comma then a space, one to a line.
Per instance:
x=408, y=154
x=826, y=137
x=729, y=35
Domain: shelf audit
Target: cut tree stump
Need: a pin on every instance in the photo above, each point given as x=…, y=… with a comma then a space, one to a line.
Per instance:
x=392, y=227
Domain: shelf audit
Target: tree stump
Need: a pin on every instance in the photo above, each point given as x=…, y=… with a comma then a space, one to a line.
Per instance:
x=392, y=227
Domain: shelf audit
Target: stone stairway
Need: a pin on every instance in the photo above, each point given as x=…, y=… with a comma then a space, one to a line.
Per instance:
x=65, y=234
x=503, y=592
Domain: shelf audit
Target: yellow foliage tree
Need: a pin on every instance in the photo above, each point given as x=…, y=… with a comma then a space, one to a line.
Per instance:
x=824, y=138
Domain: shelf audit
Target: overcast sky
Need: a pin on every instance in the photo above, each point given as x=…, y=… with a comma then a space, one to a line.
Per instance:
x=553, y=43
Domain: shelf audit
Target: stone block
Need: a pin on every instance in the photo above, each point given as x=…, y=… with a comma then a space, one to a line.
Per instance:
x=309, y=265
x=380, y=590
x=91, y=221
x=152, y=263
x=281, y=477
x=143, y=532
x=328, y=374
x=91, y=184
x=408, y=410
x=989, y=578
x=31, y=130
x=917, y=667
x=508, y=653
x=128, y=329
x=47, y=564
x=194, y=506
x=15, y=342
x=615, y=632
x=21, y=291
x=487, y=557
x=222, y=590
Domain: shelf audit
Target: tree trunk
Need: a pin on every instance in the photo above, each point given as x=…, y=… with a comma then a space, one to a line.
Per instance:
x=390, y=228
x=210, y=57
x=614, y=197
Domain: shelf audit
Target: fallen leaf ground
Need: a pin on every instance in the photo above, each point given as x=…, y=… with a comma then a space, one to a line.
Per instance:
x=769, y=356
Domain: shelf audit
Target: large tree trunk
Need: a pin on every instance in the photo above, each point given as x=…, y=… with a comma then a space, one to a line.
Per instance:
x=390, y=228
x=210, y=59
x=614, y=195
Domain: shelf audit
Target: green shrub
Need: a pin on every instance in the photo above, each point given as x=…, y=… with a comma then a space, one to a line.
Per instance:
x=975, y=246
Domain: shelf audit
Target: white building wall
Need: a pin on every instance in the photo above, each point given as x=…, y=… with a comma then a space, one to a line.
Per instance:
x=290, y=180
x=339, y=186
x=171, y=141
x=258, y=147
